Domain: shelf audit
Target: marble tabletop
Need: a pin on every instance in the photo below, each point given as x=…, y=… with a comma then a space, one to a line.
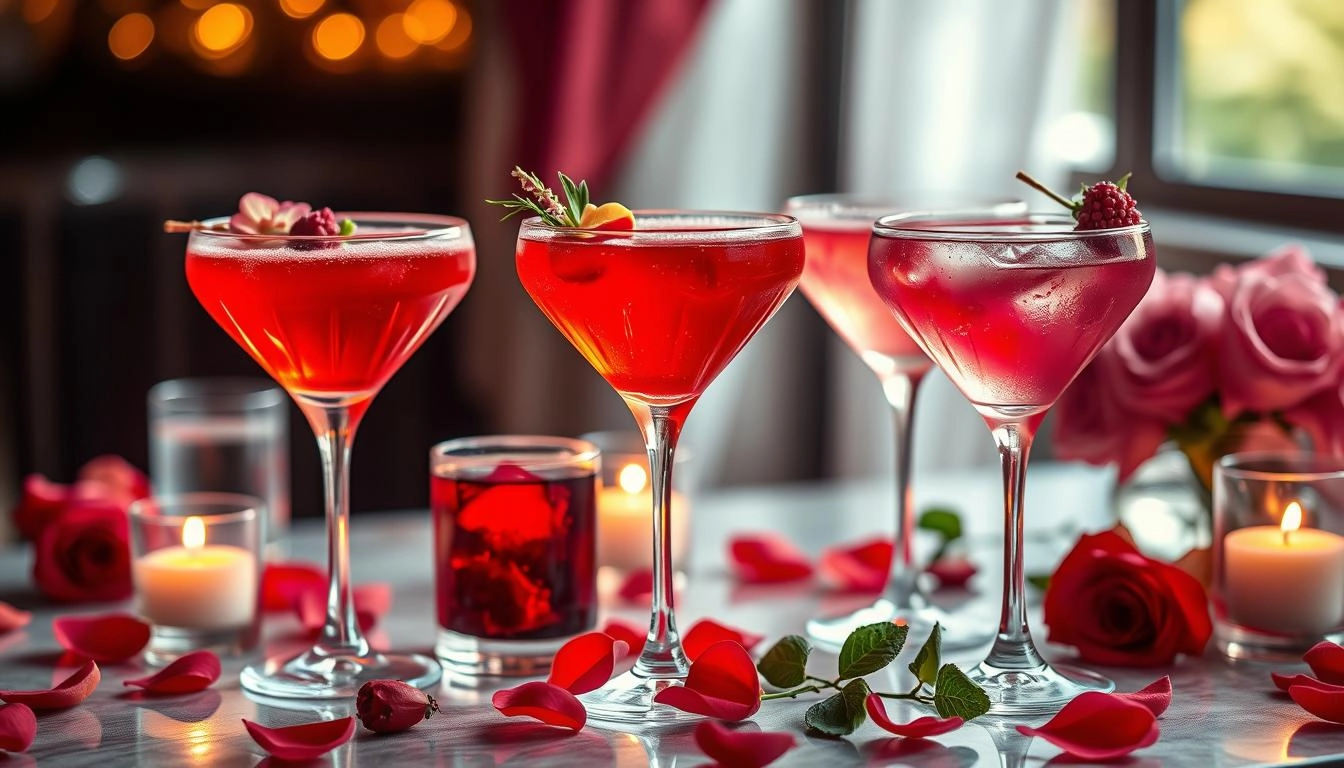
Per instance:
x=1221, y=715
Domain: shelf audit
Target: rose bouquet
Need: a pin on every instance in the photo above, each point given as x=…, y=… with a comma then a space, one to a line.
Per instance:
x=1247, y=358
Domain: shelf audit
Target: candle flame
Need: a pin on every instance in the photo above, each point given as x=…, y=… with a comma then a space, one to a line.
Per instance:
x=1292, y=519
x=632, y=478
x=193, y=533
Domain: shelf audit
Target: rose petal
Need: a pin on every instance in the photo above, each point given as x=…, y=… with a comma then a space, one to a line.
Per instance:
x=506, y=472
x=372, y=602
x=863, y=567
x=283, y=583
x=71, y=691
x=1284, y=682
x=1156, y=696
x=548, y=703
x=767, y=558
x=117, y=474
x=722, y=683
x=302, y=742
x=1326, y=703
x=741, y=749
x=1326, y=660
x=586, y=662
x=18, y=726
x=40, y=504
x=637, y=586
x=633, y=637
x=109, y=638
x=952, y=572
x=12, y=618
x=1098, y=726
x=189, y=673
x=919, y=728
x=707, y=632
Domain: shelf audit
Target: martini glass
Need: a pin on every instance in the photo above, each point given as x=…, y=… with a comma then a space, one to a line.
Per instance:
x=837, y=228
x=659, y=311
x=331, y=320
x=1011, y=307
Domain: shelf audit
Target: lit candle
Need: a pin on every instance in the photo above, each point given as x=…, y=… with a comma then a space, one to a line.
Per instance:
x=1285, y=579
x=625, y=521
x=197, y=585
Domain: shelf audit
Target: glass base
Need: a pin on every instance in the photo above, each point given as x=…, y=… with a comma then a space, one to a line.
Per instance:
x=958, y=633
x=317, y=675
x=167, y=644
x=628, y=699
x=467, y=655
x=1240, y=643
x=1039, y=690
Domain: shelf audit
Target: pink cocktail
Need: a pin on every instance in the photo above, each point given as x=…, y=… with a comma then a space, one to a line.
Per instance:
x=1011, y=308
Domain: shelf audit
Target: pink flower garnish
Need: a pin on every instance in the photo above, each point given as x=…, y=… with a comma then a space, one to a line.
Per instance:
x=546, y=702
x=707, y=632
x=1284, y=682
x=18, y=727
x=722, y=683
x=586, y=662
x=283, y=583
x=741, y=749
x=109, y=638
x=12, y=618
x=862, y=567
x=919, y=728
x=372, y=602
x=636, y=586
x=71, y=691
x=1156, y=696
x=633, y=637
x=302, y=742
x=260, y=214
x=188, y=673
x=767, y=558
x=1326, y=659
x=1099, y=726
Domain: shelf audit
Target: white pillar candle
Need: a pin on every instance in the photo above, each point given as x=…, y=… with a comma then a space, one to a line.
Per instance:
x=625, y=522
x=197, y=585
x=1286, y=578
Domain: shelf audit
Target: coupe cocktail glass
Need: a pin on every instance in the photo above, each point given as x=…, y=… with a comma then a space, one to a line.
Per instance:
x=836, y=228
x=1011, y=308
x=331, y=319
x=659, y=311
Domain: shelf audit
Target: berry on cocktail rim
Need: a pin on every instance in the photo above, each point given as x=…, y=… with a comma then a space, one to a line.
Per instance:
x=574, y=212
x=260, y=214
x=1103, y=205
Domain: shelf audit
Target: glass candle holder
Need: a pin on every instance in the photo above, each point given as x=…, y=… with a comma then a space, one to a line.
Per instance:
x=514, y=549
x=624, y=504
x=1278, y=554
x=196, y=570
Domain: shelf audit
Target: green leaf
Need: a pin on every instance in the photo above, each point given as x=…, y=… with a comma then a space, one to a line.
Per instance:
x=347, y=227
x=572, y=203
x=842, y=714
x=785, y=664
x=1040, y=581
x=870, y=648
x=925, y=665
x=955, y=694
x=943, y=521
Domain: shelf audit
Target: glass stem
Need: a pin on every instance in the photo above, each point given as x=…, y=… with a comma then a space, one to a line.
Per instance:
x=902, y=586
x=1013, y=648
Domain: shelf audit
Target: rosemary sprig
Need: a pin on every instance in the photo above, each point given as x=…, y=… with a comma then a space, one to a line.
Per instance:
x=544, y=203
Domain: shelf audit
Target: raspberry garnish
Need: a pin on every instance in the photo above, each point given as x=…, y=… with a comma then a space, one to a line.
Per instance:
x=315, y=223
x=1104, y=205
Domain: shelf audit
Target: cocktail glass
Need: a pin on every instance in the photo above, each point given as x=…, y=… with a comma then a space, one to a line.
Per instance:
x=331, y=319
x=1011, y=308
x=836, y=228
x=659, y=312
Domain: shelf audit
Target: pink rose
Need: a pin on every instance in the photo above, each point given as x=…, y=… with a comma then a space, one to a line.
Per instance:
x=1092, y=425
x=1322, y=417
x=119, y=475
x=84, y=553
x=1287, y=260
x=1166, y=348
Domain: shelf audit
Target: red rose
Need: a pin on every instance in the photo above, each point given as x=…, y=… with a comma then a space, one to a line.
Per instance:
x=84, y=553
x=41, y=502
x=1120, y=608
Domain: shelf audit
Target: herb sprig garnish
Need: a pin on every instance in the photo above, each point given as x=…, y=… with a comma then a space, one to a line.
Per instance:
x=544, y=203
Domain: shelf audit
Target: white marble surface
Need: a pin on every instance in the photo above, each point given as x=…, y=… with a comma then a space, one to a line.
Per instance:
x=1222, y=715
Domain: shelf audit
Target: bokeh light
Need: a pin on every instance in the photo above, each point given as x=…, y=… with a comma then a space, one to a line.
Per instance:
x=197, y=5
x=130, y=36
x=429, y=21
x=222, y=29
x=338, y=36
x=460, y=33
x=37, y=11
x=392, y=38
x=301, y=9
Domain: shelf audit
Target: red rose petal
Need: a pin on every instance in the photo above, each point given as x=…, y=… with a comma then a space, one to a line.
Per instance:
x=636, y=586
x=40, y=503
x=18, y=727
x=71, y=691
x=12, y=618
x=189, y=673
x=707, y=632
x=1156, y=696
x=548, y=703
x=722, y=683
x=952, y=572
x=919, y=728
x=117, y=474
x=283, y=583
x=1326, y=703
x=767, y=558
x=863, y=567
x=1326, y=660
x=506, y=472
x=586, y=662
x=372, y=602
x=1098, y=726
x=109, y=638
x=741, y=749
x=633, y=637
x=1284, y=682
x=302, y=742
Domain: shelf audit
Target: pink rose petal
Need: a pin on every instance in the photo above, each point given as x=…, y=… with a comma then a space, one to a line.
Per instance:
x=1156, y=696
x=1284, y=682
x=70, y=692
x=919, y=728
x=282, y=584
x=767, y=558
x=189, y=673
x=117, y=474
x=548, y=703
x=12, y=618
x=1326, y=660
x=741, y=749
x=707, y=632
x=18, y=727
x=633, y=637
x=302, y=742
x=863, y=567
x=1099, y=726
x=586, y=662
x=109, y=638
x=722, y=683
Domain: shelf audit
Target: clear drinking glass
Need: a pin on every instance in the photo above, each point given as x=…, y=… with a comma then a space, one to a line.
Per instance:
x=331, y=320
x=659, y=311
x=1011, y=307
